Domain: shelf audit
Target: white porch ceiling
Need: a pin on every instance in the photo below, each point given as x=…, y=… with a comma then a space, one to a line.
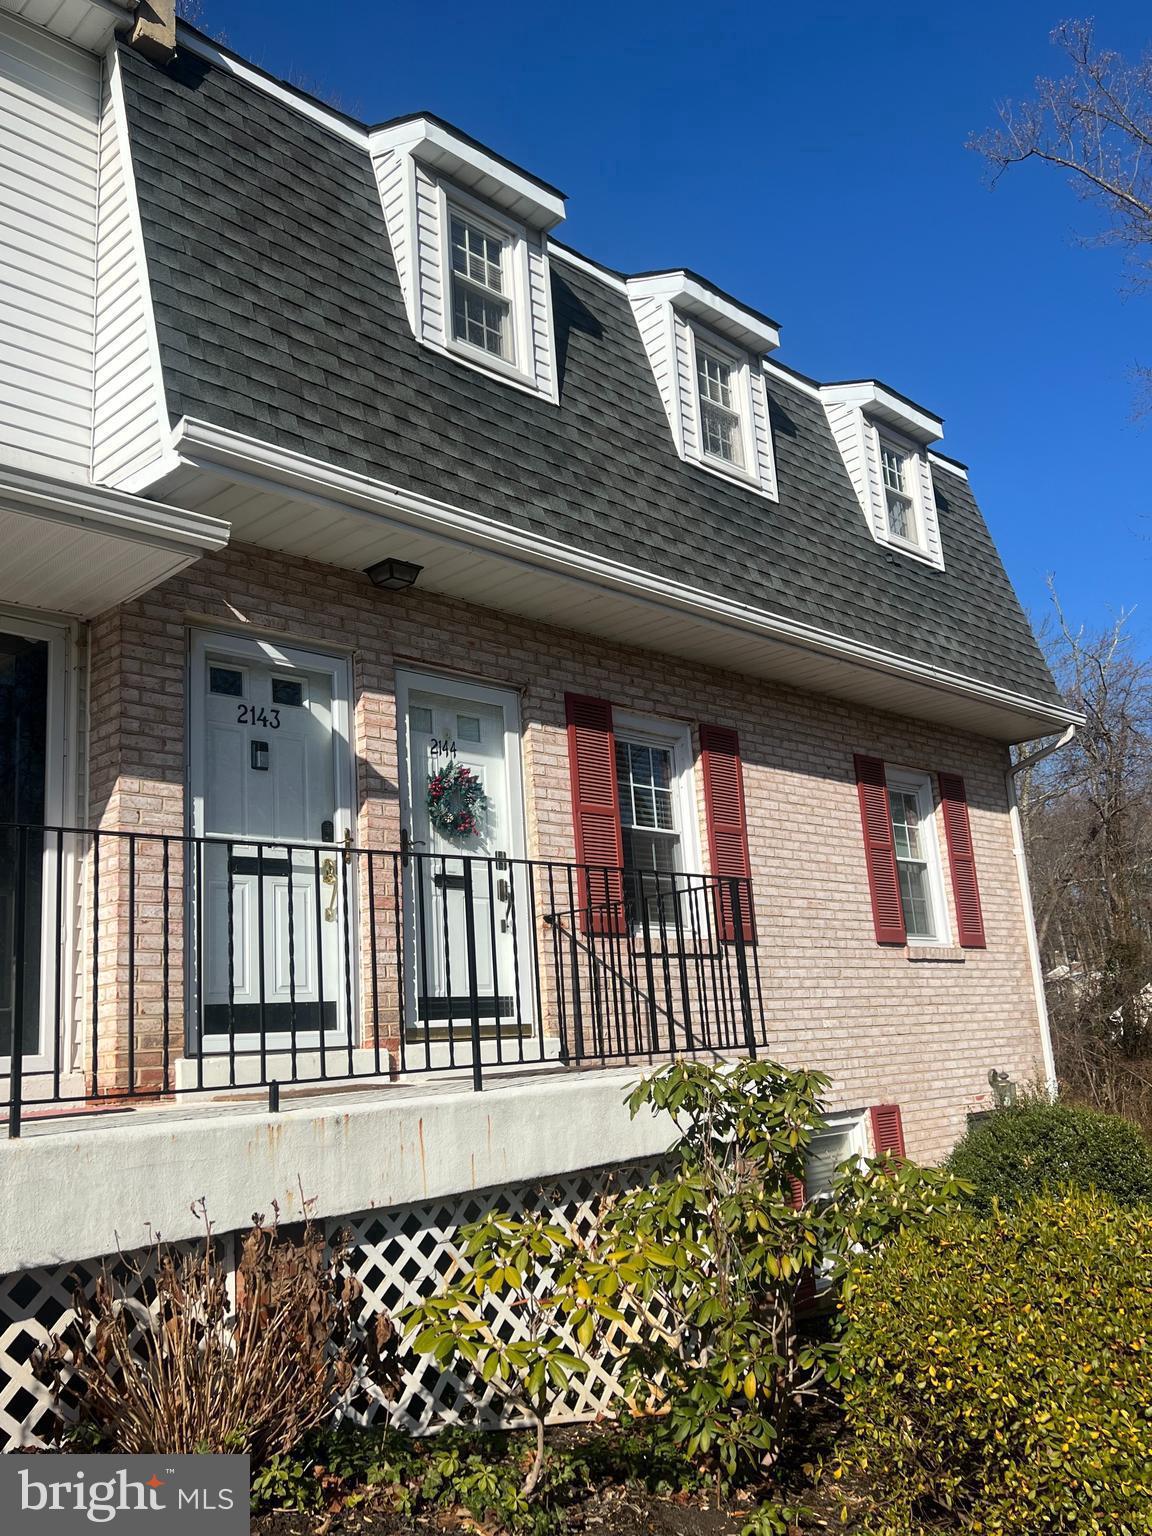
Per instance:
x=79, y=550
x=355, y=532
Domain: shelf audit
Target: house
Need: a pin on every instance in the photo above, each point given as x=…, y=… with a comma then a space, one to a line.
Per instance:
x=431, y=661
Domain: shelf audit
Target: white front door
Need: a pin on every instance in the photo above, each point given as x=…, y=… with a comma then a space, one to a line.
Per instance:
x=270, y=796
x=444, y=721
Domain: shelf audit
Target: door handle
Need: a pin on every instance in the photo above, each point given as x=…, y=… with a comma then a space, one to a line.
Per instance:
x=328, y=876
x=407, y=843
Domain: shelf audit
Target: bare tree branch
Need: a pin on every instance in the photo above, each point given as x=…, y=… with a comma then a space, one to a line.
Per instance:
x=1095, y=123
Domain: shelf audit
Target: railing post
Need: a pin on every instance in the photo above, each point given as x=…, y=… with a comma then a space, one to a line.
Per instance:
x=473, y=983
x=741, y=945
x=16, y=1057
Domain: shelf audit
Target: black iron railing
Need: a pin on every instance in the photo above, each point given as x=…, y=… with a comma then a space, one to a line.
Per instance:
x=135, y=966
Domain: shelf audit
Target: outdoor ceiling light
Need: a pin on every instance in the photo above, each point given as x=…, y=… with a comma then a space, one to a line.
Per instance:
x=393, y=575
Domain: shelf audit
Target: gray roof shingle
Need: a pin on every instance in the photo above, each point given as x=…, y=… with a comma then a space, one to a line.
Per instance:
x=280, y=316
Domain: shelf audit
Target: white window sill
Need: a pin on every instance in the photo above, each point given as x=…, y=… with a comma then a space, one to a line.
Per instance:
x=941, y=954
x=734, y=475
x=490, y=366
x=912, y=551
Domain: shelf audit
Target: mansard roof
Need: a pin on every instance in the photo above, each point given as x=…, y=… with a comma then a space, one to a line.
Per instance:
x=280, y=316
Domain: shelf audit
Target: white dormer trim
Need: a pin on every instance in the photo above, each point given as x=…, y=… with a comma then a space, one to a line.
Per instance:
x=882, y=404
x=459, y=158
x=423, y=171
x=863, y=416
x=675, y=313
x=692, y=296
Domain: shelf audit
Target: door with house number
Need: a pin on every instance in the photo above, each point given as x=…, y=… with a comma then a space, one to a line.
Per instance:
x=274, y=913
x=476, y=728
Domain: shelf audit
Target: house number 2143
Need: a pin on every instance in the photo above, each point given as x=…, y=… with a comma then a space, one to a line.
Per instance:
x=442, y=744
x=253, y=714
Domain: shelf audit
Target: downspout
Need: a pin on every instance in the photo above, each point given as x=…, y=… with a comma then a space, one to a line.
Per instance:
x=1026, y=897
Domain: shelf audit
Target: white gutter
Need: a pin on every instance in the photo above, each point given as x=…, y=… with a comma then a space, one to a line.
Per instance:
x=102, y=510
x=1051, y=1082
x=203, y=445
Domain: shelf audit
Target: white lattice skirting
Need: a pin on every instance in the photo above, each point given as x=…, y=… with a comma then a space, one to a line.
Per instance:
x=399, y=1255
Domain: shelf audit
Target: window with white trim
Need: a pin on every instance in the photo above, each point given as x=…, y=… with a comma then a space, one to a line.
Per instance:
x=842, y=1139
x=481, y=289
x=899, y=502
x=912, y=809
x=721, y=431
x=653, y=782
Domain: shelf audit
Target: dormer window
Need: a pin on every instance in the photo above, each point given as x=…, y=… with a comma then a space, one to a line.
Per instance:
x=468, y=232
x=706, y=352
x=883, y=439
x=720, y=429
x=481, y=309
x=899, y=506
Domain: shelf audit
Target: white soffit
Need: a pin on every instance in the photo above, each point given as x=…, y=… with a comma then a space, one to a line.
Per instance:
x=880, y=403
x=282, y=501
x=90, y=24
x=721, y=313
x=462, y=160
x=80, y=549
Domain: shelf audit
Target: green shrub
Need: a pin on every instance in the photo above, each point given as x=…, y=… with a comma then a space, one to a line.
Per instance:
x=998, y=1368
x=1037, y=1145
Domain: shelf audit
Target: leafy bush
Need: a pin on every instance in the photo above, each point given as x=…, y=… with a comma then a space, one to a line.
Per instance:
x=1039, y=1145
x=997, y=1368
x=164, y=1356
x=547, y=1278
x=716, y=1248
x=712, y=1252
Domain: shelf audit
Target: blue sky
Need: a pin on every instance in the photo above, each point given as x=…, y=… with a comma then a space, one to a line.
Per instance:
x=810, y=159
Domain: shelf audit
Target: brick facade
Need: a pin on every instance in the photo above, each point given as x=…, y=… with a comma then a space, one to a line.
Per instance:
x=889, y=1026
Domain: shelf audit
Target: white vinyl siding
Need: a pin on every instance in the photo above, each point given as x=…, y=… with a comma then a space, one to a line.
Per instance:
x=418, y=208
x=130, y=419
x=670, y=340
x=394, y=173
x=654, y=320
x=861, y=443
x=49, y=157
x=429, y=258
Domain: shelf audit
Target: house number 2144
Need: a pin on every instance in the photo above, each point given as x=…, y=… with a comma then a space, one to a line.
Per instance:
x=442, y=744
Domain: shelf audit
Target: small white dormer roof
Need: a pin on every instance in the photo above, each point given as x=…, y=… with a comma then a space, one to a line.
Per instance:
x=488, y=175
x=880, y=403
x=718, y=310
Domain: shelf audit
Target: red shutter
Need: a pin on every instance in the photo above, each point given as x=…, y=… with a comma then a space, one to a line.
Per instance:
x=887, y=1130
x=596, y=812
x=727, y=824
x=806, y=1286
x=962, y=861
x=883, y=881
